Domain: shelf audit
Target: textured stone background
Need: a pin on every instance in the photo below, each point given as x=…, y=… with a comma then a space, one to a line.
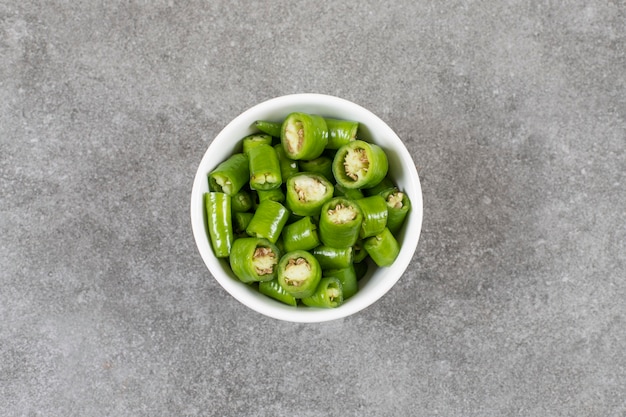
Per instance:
x=515, y=301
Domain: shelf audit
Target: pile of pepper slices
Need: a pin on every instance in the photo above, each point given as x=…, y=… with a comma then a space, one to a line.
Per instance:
x=302, y=207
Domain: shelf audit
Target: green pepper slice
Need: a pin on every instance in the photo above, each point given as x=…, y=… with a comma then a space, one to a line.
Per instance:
x=276, y=194
x=384, y=185
x=360, y=165
x=349, y=193
x=288, y=166
x=359, y=251
x=300, y=235
x=241, y=221
x=347, y=276
x=360, y=268
x=229, y=176
x=304, y=136
x=328, y=294
x=299, y=273
x=340, y=132
x=374, y=211
x=382, y=248
x=254, y=259
x=398, y=206
x=219, y=222
x=340, y=223
x=307, y=192
x=273, y=289
x=264, y=168
x=241, y=201
x=322, y=165
x=271, y=128
x=333, y=258
x=268, y=220
x=255, y=139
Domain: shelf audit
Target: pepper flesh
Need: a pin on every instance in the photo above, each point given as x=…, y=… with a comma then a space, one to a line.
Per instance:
x=382, y=248
x=347, y=276
x=254, y=259
x=268, y=220
x=333, y=258
x=322, y=165
x=304, y=136
x=269, y=127
x=359, y=164
x=398, y=206
x=307, y=192
x=273, y=289
x=299, y=273
x=375, y=213
x=219, y=222
x=340, y=223
x=255, y=139
x=300, y=235
x=340, y=132
x=264, y=168
x=229, y=176
x=328, y=294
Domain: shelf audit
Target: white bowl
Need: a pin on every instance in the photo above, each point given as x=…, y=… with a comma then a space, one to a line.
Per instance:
x=378, y=281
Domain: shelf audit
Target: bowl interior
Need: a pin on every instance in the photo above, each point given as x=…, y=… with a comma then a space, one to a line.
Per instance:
x=372, y=129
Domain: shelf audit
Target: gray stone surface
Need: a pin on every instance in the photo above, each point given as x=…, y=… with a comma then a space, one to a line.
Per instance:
x=514, y=304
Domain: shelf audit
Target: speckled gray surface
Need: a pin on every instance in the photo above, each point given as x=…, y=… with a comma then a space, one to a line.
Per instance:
x=514, y=303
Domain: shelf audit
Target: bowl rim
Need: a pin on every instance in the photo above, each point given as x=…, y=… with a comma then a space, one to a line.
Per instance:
x=261, y=303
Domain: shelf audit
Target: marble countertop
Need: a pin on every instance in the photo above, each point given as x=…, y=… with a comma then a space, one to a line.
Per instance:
x=514, y=303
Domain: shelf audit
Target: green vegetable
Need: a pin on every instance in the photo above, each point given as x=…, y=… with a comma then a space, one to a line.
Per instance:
x=288, y=166
x=255, y=139
x=349, y=193
x=322, y=165
x=299, y=273
x=241, y=201
x=384, y=185
x=360, y=269
x=328, y=294
x=254, y=259
x=219, y=222
x=360, y=165
x=382, y=248
x=229, y=176
x=347, y=276
x=300, y=235
x=241, y=221
x=374, y=211
x=264, y=168
x=273, y=289
x=398, y=206
x=359, y=251
x=268, y=220
x=275, y=195
x=307, y=192
x=340, y=132
x=271, y=128
x=304, y=136
x=340, y=222
x=333, y=258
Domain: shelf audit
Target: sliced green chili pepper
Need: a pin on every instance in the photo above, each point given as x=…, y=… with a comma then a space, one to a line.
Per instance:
x=307, y=192
x=359, y=251
x=340, y=223
x=271, y=128
x=264, y=168
x=255, y=139
x=304, y=136
x=382, y=248
x=374, y=211
x=300, y=235
x=321, y=165
x=273, y=289
x=398, y=206
x=328, y=294
x=384, y=185
x=276, y=194
x=360, y=165
x=299, y=273
x=340, y=132
x=241, y=221
x=288, y=166
x=347, y=276
x=333, y=258
x=360, y=268
x=229, y=176
x=268, y=220
x=254, y=259
x=241, y=201
x=349, y=193
x=219, y=222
